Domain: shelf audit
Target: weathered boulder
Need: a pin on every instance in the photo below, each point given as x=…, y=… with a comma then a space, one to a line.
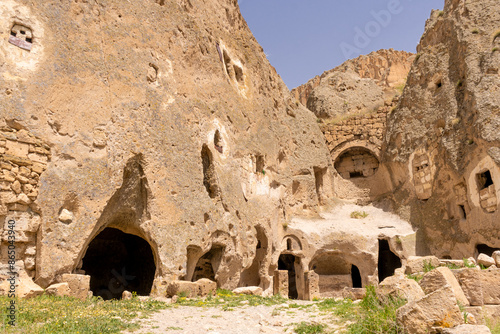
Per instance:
x=467, y=329
x=481, y=287
x=417, y=264
x=183, y=288
x=438, y=278
x=496, y=257
x=126, y=295
x=206, y=287
x=23, y=286
x=58, y=289
x=485, y=260
x=470, y=282
x=249, y=290
x=79, y=285
x=437, y=309
x=400, y=286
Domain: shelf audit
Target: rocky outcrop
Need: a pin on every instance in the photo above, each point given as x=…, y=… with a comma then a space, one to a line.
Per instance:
x=443, y=140
x=144, y=143
x=359, y=84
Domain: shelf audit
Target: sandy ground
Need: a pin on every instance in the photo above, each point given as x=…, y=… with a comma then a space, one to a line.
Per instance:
x=241, y=320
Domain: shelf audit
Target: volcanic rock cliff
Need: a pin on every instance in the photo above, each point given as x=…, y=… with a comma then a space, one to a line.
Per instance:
x=360, y=84
x=443, y=140
x=153, y=132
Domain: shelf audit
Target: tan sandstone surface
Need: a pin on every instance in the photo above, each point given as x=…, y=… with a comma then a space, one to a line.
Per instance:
x=161, y=120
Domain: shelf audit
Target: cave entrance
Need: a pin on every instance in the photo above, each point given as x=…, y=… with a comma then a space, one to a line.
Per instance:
x=388, y=262
x=208, y=264
x=356, y=277
x=287, y=262
x=485, y=249
x=117, y=261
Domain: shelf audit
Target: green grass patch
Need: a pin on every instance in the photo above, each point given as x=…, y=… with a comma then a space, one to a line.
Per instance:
x=309, y=328
x=428, y=266
x=377, y=316
x=468, y=264
x=52, y=315
x=359, y=214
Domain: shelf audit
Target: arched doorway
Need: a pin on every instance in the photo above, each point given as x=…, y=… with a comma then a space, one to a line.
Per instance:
x=117, y=261
x=287, y=262
x=208, y=264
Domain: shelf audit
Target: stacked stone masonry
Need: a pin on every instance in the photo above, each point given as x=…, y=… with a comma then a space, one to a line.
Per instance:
x=422, y=176
x=23, y=158
x=356, y=162
x=369, y=127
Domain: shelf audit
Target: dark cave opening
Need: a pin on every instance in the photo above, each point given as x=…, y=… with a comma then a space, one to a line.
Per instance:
x=117, y=261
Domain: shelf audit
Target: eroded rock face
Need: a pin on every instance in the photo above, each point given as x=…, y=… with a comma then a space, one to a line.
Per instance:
x=162, y=120
x=385, y=68
x=445, y=134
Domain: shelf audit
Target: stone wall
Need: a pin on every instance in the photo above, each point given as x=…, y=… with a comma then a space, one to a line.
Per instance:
x=23, y=159
x=369, y=127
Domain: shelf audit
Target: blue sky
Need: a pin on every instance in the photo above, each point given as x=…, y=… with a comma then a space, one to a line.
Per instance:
x=304, y=38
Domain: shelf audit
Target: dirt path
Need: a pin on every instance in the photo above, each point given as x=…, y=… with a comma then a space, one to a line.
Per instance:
x=240, y=320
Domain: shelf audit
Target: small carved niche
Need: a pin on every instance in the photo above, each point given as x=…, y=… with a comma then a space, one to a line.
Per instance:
x=462, y=203
x=218, y=144
x=21, y=36
x=422, y=176
x=487, y=191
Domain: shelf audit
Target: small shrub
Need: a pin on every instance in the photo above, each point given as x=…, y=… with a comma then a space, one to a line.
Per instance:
x=285, y=225
x=359, y=214
x=428, y=266
x=475, y=31
x=459, y=83
x=495, y=49
x=453, y=266
x=377, y=315
x=309, y=328
x=416, y=277
x=440, y=13
x=468, y=264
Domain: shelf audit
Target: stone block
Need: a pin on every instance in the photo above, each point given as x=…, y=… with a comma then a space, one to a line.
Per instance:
x=400, y=286
x=437, y=309
x=249, y=290
x=58, y=289
x=79, y=285
x=496, y=257
x=206, y=287
x=485, y=260
x=24, y=286
x=470, y=282
x=311, y=280
x=415, y=264
x=280, y=283
x=467, y=329
x=186, y=288
x=439, y=277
